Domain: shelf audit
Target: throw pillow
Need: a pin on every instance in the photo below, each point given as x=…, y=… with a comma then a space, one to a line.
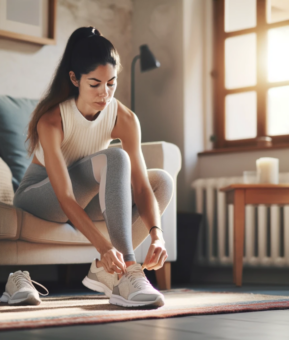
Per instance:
x=15, y=114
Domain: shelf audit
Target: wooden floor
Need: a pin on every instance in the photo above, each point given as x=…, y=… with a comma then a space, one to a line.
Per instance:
x=273, y=325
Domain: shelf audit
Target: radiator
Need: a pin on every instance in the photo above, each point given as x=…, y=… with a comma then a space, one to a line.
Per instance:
x=266, y=227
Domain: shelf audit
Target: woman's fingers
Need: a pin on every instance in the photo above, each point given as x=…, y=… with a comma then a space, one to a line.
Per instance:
x=161, y=261
x=149, y=256
x=158, y=254
x=114, y=261
x=106, y=267
x=108, y=263
x=119, y=261
x=155, y=258
x=116, y=269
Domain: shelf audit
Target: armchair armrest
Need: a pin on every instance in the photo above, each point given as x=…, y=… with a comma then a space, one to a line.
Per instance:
x=9, y=227
x=6, y=187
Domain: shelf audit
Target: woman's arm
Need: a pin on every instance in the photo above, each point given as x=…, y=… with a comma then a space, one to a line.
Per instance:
x=50, y=136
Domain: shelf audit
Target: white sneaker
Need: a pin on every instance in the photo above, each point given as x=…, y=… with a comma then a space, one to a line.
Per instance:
x=98, y=279
x=19, y=289
x=134, y=289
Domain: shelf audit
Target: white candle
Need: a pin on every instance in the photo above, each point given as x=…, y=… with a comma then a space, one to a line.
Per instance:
x=268, y=170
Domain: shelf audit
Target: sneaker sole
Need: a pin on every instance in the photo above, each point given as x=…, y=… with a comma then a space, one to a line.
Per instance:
x=120, y=301
x=30, y=299
x=96, y=286
x=5, y=297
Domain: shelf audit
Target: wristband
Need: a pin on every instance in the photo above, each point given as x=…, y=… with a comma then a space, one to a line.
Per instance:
x=155, y=227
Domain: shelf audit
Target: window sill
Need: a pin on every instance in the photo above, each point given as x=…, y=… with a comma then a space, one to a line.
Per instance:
x=242, y=149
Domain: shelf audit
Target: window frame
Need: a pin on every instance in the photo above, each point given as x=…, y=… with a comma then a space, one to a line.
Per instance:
x=261, y=87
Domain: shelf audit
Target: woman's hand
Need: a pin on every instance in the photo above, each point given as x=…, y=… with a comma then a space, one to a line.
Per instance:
x=112, y=261
x=156, y=255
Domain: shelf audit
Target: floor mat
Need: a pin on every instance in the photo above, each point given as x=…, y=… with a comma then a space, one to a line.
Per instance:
x=93, y=309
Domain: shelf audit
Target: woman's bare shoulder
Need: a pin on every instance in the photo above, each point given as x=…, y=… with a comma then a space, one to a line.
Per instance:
x=126, y=121
x=123, y=111
x=51, y=118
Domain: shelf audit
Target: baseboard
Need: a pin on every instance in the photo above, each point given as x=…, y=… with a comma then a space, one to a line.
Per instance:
x=272, y=276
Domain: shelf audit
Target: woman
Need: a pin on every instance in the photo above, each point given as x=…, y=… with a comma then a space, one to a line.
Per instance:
x=75, y=177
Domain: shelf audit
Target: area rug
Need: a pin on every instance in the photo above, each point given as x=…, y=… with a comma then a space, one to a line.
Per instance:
x=95, y=309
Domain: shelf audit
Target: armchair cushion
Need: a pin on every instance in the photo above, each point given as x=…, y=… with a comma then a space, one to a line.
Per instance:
x=14, y=119
x=37, y=230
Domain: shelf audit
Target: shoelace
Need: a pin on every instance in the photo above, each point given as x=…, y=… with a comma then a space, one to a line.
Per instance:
x=138, y=279
x=25, y=280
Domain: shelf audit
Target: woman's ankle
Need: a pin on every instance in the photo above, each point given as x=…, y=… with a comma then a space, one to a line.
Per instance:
x=129, y=263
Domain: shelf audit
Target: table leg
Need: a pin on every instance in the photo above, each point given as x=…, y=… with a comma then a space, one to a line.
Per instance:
x=163, y=276
x=239, y=231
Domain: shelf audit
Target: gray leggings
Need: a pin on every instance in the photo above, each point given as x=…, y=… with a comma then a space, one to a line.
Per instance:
x=102, y=187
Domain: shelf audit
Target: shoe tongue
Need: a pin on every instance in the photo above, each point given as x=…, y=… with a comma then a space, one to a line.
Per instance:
x=26, y=273
x=17, y=273
x=134, y=267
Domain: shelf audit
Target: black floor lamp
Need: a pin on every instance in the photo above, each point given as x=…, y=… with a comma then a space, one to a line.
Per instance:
x=147, y=62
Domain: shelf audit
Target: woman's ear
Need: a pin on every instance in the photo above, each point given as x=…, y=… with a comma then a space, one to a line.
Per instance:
x=73, y=78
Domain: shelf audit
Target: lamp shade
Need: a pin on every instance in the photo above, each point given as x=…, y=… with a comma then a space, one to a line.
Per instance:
x=147, y=59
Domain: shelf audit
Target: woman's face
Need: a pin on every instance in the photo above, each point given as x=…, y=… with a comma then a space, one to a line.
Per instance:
x=97, y=87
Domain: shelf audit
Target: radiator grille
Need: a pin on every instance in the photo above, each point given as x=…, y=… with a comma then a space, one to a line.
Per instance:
x=266, y=227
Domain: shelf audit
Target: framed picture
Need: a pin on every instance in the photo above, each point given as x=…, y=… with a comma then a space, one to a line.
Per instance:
x=28, y=20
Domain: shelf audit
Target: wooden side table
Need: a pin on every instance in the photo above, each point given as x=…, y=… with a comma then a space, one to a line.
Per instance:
x=240, y=195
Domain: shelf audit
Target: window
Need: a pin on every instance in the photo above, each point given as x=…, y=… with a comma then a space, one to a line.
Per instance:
x=251, y=86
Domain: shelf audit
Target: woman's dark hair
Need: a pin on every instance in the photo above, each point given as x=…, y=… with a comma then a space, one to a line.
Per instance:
x=86, y=49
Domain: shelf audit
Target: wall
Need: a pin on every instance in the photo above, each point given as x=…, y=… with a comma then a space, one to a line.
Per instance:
x=234, y=164
x=170, y=100
x=26, y=69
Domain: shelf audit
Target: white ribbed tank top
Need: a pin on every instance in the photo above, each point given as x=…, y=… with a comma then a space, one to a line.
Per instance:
x=81, y=136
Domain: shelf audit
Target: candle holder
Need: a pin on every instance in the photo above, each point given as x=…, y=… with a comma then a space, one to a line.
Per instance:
x=267, y=170
x=250, y=177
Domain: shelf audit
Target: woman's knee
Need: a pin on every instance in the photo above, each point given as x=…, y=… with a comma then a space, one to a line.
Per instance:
x=113, y=153
x=118, y=159
x=115, y=159
x=118, y=154
x=162, y=183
